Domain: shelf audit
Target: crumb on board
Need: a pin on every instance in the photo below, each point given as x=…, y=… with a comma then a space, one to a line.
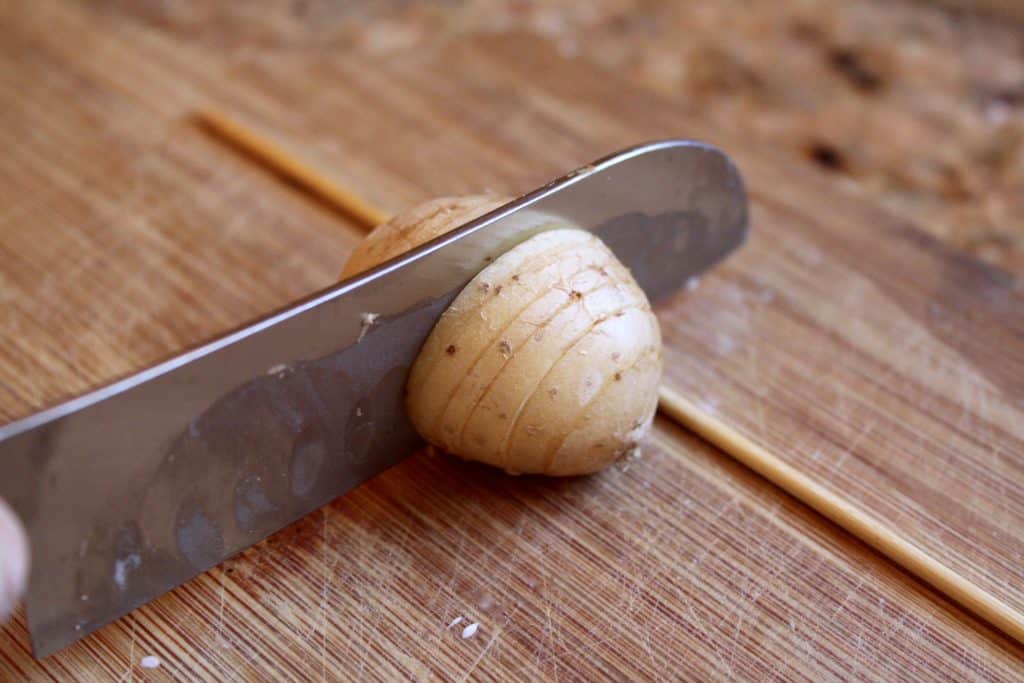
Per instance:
x=470, y=630
x=150, y=662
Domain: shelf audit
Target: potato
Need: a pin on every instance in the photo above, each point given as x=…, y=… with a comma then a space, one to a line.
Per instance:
x=547, y=362
x=415, y=226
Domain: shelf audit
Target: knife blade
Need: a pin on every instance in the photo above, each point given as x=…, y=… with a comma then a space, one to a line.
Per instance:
x=133, y=488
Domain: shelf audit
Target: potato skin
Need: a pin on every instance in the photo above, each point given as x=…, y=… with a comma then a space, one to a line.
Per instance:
x=415, y=226
x=548, y=361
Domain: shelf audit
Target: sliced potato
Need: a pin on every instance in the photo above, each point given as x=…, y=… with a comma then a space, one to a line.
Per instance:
x=547, y=362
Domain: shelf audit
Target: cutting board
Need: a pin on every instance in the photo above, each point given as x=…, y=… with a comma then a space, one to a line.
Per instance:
x=849, y=343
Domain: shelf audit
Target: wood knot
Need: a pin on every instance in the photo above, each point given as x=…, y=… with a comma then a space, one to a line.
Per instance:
x=850, y=65
x=827, y=156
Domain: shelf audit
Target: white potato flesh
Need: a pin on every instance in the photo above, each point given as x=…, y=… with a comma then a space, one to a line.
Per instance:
x=547, y=362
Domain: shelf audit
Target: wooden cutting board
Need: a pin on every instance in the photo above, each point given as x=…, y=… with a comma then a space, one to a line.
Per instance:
x=845, y=340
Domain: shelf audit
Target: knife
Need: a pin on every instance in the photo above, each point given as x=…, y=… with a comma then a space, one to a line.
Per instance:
x=134, y=488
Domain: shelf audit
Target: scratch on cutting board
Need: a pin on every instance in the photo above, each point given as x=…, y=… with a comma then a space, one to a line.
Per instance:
x=220, y=613
x=713, y=642
x=324, y=598
x=549, y=633
x=647, y=631
x=736, y=639
x=490, y=644
x=450, y=584
x=483, y=653
x=586, y=646
x=657, y=538
x=129, y=668
x=364, y=651
x=766, y=374
x=699, y=559
x=849, y=595
x=851, y=448
x=752, y=595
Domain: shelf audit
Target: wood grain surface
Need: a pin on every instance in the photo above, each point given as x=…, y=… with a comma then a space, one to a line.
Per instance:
x=844, y=338
x=919, y=105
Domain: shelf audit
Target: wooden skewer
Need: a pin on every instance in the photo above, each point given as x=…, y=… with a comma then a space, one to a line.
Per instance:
x=864, y=526
x=281, y=161
x=856, y=521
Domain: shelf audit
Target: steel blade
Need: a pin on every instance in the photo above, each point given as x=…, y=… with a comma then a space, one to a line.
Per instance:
x=138, y=486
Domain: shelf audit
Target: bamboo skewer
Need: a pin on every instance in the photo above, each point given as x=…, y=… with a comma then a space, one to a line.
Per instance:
x=287, y=165
x=854, y=520
x=861, y=524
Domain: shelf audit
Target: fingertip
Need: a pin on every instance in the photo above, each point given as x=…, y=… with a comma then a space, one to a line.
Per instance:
x=14, y=560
